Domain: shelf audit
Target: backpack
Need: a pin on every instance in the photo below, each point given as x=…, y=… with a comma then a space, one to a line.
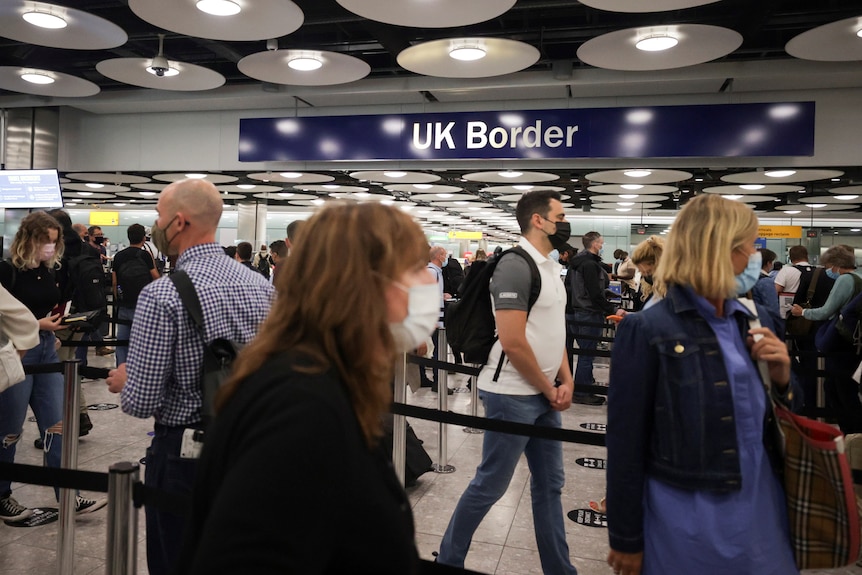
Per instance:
x=219, y=354
x=470, y=325
x=132, y=276
x=844, y=328
x=87, y=277
x=263, y=265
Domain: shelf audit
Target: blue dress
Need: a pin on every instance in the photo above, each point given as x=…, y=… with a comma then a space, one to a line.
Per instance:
x=741, y=532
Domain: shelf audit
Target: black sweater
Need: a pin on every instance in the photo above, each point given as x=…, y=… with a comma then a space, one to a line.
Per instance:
x=286, y=484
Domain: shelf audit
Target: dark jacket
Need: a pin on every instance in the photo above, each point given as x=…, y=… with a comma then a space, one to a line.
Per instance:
x=453, y=277
x=677, y=420
x=73, y=246
x=589, y=280
x=314, y=498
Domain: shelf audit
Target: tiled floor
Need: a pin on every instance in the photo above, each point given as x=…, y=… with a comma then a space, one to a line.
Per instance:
x=504, y=543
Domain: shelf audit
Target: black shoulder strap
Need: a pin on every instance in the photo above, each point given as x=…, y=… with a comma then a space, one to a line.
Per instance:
x=190, y=298
x=813, y=285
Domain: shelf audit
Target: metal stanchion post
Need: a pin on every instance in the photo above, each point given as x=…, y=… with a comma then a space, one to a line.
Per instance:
x=122, y=551
x=399, y=423
x=474, y=403
x=68, y=460
x=821, y=382
x=442, y=465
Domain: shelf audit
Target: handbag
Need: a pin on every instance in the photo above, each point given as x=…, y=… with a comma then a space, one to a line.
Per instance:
x=11, y=371
x=822, y=508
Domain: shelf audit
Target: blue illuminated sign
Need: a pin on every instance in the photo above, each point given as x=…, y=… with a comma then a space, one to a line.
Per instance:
x=722, y=130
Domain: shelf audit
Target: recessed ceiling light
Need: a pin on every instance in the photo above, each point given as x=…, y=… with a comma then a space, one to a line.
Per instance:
x=698, y=179
x=656, y=43
x=628, y=196
x=394, y=174
x=859, y=32
x=836, y=179
x=846, y=197
x=284, y=194
x=731, y=196
x=148, y=193
x=632, y=186
x=163, y=69
x=44, y=20
x=467, y=53
x=816, y=205
x=624, y=209
x=361, y=195
x=246, y=186
x=305, y=64
x=779, y=173
x=290, y=175
x=85, y=193
x=752, y=186
x=523, y=188
x=423, y=186
x=218, y=7
x=196, y=176
x=318, y=202
x=444, y=196
x=331, y=186
x=119, y=204
x=37, y=78
x=792, y=212
x=856, y=229
x=510, y=174
x=637, y=173
x=625, y=203
x=94, y=185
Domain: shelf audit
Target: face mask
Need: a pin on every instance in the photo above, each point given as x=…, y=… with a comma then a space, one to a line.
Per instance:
x=555, y=255
x=560, y=237
x=749, y=276
x=99, y=240
x=160, y=237
x=46, y=252
x=601, y=251
x=445, y=263
x=648, y=279
x=833, y=274
x=423, y=313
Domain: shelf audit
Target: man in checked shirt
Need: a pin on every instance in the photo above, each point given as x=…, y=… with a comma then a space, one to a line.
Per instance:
x=161, y=376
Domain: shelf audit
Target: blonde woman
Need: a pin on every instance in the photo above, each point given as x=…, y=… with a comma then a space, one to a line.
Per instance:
x=692, y=485
x=299, y=422
x=29, y=277
x=646, y=257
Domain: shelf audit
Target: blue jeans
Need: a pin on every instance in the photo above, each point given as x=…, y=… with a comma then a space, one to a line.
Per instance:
x=584, y=371
x=167, y=471
x=500, y=455
x=44, y=393
x=123, y=331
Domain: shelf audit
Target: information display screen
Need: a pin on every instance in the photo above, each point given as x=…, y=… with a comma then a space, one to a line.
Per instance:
x=30, y=189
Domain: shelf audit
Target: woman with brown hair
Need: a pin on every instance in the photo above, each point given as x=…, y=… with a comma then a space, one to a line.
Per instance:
x=29, y=277
x=291, y=478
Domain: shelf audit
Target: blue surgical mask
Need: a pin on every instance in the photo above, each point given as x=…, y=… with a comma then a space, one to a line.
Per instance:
x=555, y=255
x=833, y=274
x=445, y=263
x=749, y=276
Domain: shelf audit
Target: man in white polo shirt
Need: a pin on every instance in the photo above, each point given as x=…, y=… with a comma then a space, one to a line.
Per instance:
x=532, y=385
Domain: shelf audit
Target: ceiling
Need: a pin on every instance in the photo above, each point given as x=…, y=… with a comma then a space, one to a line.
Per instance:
x=556, y=29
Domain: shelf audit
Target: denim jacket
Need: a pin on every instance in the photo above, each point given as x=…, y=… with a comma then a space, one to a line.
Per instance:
x=671, y=411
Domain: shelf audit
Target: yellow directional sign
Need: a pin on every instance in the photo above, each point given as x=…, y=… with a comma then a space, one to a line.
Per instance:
x=779, y=232
x=462, y=235
x=100, y=218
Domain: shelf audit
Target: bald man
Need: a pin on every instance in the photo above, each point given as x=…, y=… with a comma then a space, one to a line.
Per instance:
x=161, y=378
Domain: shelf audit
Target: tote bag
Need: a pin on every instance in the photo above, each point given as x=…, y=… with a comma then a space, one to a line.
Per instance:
x=11, y=369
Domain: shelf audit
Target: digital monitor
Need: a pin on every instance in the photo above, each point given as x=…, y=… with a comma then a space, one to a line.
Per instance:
x=30, y=189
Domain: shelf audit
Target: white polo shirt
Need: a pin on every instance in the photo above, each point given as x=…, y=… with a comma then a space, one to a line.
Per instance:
x=546, y=326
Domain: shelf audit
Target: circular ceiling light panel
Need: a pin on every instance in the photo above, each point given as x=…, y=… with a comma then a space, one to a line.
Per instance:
x=748, y=191
x=108, y=178
x=61, y=85
x=638, y=199
x=848, y=199
x=134, y=71
x=622, y=204
x=510, y=177
x=847, y=190
x=331, y=188
x=836, y=42
x=423, y=189
x=654, y=177
x=88, y=188
x=520, y=189
x=392, y=177
x=641, y=7
x=424, y=14
x=212, y=178
x=81, y=30
x=502, y=56
x=806, y=209
x=799, y=175
x=695, y=44
x=88, y=196
x=645, y=189
x=249, y=189
x=258, y=20
x=443, y=197
x=293, y=67
x=284, y=196
x=291, y=177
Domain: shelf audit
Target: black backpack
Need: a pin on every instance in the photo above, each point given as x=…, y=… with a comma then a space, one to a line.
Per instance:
x=132, y=276
x=87, y=277
x=470, y=325
x=263, y=266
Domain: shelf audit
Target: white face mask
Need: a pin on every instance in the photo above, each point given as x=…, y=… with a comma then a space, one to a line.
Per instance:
x=423, y=313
